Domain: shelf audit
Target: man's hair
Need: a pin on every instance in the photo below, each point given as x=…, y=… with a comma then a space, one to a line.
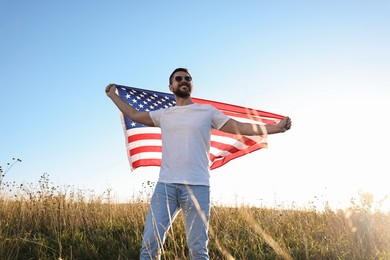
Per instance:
x=176, y=70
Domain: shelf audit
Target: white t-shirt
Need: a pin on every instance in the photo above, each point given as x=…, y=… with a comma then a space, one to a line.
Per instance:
x=186, y=133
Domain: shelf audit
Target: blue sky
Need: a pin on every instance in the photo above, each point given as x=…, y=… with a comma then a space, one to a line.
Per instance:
x=323, y=63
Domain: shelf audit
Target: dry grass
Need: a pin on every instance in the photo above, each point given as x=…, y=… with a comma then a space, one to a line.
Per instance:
x=47, y=222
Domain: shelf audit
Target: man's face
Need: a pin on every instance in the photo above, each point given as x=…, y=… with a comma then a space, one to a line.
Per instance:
x=181, y=84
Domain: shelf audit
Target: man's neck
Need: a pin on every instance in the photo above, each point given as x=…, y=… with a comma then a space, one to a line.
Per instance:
x=183, y=101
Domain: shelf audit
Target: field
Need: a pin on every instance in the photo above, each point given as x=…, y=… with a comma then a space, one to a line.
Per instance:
x=46, y=222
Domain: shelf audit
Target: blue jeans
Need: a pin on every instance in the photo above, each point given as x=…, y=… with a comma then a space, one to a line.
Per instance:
x=165, y=204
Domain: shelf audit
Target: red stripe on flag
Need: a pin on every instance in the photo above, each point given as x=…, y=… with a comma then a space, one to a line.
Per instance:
x=140, y=137
x=145, y=149
x=146, y=162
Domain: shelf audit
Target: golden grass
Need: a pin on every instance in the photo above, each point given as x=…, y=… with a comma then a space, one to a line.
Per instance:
x=47, y=222
x=53, y=227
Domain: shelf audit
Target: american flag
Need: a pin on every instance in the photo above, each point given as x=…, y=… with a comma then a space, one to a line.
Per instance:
x=143, y=143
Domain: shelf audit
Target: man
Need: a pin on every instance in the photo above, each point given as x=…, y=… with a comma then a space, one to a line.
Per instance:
x=184, y=174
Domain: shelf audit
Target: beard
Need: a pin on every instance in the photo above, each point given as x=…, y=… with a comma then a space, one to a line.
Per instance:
x=183, y=93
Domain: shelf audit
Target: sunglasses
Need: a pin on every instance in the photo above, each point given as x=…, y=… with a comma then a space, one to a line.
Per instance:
x=180, y=78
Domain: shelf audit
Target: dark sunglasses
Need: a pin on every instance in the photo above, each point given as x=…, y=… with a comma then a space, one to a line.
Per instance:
x=180, y=78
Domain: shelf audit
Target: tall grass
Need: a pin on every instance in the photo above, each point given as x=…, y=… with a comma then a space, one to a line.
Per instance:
x=46, y=222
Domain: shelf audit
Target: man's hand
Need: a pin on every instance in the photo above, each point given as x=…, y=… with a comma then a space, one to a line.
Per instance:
x=110, y=90
x=285, y=124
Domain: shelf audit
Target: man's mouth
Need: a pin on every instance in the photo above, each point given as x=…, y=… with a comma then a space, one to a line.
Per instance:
x=185, y=85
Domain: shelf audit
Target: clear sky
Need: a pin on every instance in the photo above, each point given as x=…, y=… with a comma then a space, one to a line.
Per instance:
x=325, y=64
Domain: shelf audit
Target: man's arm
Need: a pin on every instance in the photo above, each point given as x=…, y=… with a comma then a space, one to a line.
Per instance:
x=235, y=127
x=126, y=109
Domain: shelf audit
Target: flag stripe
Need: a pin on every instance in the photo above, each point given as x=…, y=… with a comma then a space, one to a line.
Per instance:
x=145, y=162
x=138, y=137
x=143, y=143
x=143, y=149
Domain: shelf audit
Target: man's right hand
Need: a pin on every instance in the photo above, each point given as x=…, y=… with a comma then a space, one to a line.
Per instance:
x=110, y=89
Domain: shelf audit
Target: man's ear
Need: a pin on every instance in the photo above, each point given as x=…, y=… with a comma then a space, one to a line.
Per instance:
x=170, y=87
